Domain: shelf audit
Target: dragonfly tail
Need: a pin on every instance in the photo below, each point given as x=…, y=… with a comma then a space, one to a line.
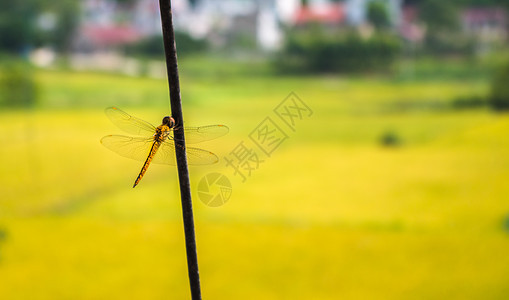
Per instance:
x=142, y=172
x=153, y=150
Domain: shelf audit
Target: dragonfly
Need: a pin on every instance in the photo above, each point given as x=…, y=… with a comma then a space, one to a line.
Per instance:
x=157, y=144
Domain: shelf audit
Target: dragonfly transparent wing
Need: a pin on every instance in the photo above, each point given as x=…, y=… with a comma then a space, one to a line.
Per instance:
x=195, y=156
x=139, y=148
x=131, y=147
x=128, y=123
x=204, y=133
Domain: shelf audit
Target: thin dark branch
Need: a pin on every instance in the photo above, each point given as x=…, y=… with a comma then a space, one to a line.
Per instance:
x=183, y=172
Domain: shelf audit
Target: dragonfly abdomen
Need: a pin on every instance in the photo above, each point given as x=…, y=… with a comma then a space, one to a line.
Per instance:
x=153, y=151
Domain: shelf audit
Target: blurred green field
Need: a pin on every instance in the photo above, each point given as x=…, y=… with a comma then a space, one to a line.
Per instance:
x=332, y=214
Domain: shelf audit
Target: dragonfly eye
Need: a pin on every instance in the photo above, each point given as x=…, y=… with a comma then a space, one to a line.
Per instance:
x=166, y=121
x=169, y=121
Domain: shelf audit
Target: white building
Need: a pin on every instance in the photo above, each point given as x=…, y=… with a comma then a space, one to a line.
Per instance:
x=222, y=20
x=217, y=20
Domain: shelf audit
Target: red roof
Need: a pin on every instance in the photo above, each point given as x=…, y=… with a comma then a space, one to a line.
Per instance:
x=329, y=13
x=111, y=35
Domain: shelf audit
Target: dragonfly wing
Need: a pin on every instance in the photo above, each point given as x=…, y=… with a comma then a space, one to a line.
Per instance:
x=128, y=123
x=195, y=156
x=130, y=147
x=204, y=133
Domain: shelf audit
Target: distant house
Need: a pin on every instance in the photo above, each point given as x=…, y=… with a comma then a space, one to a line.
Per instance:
x=221, y=21
x=332, y=14
x=487, y=24
x=92, y=38
x=99, y=29
x=409, y=27
x=348, y=12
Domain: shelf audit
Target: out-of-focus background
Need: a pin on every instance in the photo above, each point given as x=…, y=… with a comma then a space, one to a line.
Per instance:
x=368, y=152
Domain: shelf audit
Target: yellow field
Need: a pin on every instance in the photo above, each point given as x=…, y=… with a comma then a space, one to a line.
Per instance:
x=331, y=214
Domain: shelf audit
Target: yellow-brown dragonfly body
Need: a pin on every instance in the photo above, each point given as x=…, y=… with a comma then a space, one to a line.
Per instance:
x=160, y=146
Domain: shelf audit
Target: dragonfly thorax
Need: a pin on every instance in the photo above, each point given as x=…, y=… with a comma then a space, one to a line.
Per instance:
x=162, y=133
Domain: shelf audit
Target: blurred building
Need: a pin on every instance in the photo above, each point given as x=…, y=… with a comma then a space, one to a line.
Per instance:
x=488, y=24
x=410, y=29
x=221, y=21
x=259, y=24
x=328, y=14
x=100, y=28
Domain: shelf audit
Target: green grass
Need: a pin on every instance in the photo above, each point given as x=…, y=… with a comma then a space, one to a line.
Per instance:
x=331, y=214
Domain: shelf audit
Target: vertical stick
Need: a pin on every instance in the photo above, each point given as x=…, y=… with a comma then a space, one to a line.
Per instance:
x=183, y=172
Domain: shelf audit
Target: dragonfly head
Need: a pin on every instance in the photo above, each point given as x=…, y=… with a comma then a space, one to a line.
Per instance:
x=169, y=121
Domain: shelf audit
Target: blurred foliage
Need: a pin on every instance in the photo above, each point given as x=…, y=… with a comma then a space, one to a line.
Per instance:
x=3, y=237
x=469, y=102
x=316, y=51
x=439, y=16
x=443, y=30
x=186, y=44
x=501, y=3
x=390, y=139
x=467, y=2
x=499, y=96
x=506, y=223
x=240, y=41
x=153, y=47
x=126, y=2
x=20, y=31
x=18, y=87
x=17, y=25
x=378, y=15
x=67, y=13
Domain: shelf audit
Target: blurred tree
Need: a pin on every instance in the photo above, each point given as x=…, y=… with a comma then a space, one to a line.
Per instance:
x=483, y=2
x=443, y=32
x=126, y=2
x=3, y=238
x=377, y=15
x=28, y=23
x=439, y=15
x=390, y=139
x=506, y=223
x=316, y=51
x=67, y=12
x=464, y=3
x=152, y=47
x=499, y=97
x=17, y=84
x=17, y=26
